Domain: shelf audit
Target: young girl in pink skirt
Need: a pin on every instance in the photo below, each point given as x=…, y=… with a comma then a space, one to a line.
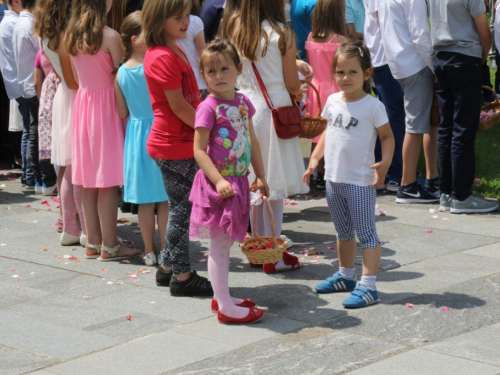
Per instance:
x=224, y=146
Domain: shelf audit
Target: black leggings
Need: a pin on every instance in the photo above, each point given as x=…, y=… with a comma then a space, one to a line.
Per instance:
x=178, y=177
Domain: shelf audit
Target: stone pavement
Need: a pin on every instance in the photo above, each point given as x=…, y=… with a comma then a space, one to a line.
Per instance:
x=64, y=316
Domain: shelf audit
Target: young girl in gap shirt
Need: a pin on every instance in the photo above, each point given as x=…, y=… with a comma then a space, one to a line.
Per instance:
x=355, y=118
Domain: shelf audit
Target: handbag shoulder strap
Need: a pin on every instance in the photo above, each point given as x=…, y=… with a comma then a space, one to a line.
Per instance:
x=263, y=87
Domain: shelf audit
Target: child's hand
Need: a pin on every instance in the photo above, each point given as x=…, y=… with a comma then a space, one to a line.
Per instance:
x=380, y=173
x=263, y=186
x=313, y=164
x=224, y=188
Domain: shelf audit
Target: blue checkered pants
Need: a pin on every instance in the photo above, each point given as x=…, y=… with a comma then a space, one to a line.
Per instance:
x=352, y=209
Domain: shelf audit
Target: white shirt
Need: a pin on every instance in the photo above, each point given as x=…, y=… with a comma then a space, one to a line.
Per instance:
x=189, y=47
x=406, y=36
x=371, y=34
x=496, y=27
x=8, y=61
x=25, y=50
x=350, y=138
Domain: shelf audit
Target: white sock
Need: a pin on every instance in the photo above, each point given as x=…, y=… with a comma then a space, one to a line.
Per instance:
x=369, y=282
x=348, y=273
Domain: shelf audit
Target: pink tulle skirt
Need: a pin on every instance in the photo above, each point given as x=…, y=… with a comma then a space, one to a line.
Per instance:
x=213, y=216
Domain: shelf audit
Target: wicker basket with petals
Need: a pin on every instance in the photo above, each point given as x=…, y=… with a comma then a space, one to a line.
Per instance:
x=313, y=126
x=494, y=106
x=261, y=250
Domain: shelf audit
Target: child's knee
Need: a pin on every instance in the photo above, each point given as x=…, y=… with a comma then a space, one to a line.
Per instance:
x=369, y=240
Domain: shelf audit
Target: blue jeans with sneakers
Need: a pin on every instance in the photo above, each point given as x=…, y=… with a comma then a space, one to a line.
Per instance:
x=24, y=109
x=389, y=92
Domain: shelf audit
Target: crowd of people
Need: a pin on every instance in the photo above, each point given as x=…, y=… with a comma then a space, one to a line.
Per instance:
x=178, y=102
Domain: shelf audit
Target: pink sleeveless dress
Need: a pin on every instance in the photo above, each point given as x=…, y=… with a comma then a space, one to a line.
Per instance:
x=98, y=133
x=320, y=58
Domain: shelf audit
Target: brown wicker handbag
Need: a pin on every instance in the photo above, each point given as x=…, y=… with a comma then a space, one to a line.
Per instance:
x=313, y=126
x=261, y=250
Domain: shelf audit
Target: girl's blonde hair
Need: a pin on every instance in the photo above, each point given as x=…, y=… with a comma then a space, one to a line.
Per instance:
x=328, y=18
x=355, y=49
x=154, y=15
x=51, y=17
x=85, y=27
x=231, y=14
x=249, y=33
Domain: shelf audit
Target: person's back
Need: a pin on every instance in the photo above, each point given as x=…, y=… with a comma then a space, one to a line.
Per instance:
x=301, y=14
x=8, y=61
x=135, y=89
x=211, y=13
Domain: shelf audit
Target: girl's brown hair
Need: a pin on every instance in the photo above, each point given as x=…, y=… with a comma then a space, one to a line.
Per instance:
x=329, y=18
x=210, y=57
x=249, y=32
x=131, y=26
x=355, y=49
x=116, y=14
x=51, y=17
x=231, y=14
x=85, y=27
x=154, y=15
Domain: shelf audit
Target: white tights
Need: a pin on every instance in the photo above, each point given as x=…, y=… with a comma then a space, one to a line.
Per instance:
x=218, y=269
x=264, y=221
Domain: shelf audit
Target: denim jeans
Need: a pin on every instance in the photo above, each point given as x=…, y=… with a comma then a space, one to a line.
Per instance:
x=389, y=92
x=459, y=96
x=24, y=109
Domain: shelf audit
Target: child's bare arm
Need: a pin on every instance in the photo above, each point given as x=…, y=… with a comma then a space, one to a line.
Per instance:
x=201, y=137
x=180, y=106
x=387, y=145
x=257, y=163
x=39, y=77
x=121, y=103
x=316, y=156
x=484, y=34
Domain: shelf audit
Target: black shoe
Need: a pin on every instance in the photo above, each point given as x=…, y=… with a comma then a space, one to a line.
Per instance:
x=320, y=182
x=163, y=277
x=432, y=186
x=416, y=193
x=194, y=286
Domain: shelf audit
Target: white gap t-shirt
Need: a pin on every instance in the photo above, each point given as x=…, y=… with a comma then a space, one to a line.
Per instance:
x=189, y=47
x=350, y=138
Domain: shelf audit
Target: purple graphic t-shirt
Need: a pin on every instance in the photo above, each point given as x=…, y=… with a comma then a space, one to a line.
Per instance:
x=229, y=143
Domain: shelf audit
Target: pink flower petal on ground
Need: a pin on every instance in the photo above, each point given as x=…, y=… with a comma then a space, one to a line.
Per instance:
x=410, y=305
x=293, y=203
x=446, y=219
x=382, y=213
x=445, y=308
x=435, y=216
x=28, y=205
x=55, y=199
x=428, y=231
x=331, y=247
x=126, y=261
x=285, y=203
x=133, y=276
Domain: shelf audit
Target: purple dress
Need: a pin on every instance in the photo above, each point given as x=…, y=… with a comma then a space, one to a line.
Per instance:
x=230, y=150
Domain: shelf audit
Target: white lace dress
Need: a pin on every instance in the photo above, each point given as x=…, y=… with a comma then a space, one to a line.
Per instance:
x=282, y=157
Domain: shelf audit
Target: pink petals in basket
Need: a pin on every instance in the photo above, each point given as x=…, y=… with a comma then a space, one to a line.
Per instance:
x=485, y=115
x=268, y=245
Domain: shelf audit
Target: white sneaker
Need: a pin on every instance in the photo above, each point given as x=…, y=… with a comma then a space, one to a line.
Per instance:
x=49, y=190
x=290, y=242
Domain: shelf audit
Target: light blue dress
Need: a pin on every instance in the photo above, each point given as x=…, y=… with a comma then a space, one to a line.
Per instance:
x=143, y=182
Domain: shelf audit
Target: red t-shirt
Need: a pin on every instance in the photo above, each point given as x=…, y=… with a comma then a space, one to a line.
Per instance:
x=170, y=138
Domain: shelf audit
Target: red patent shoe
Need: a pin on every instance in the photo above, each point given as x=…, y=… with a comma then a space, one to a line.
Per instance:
x=290, y=263
x=254, y=314
x=245, y=303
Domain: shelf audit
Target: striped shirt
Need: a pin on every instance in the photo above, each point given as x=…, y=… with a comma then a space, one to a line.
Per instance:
x=8, y=61
x=25, y=50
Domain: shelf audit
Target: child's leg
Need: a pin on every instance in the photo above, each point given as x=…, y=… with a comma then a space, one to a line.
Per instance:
x=218, y=269
x=361, y=201
x=162, y=211
x=89, y=205
x=107, y=207
x=77, y=194
x=66, y=193
x=146, y=216
x=431, y=153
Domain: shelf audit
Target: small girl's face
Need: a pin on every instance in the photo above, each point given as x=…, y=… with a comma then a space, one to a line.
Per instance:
x=221, y=80
x=176, y=26
x=349, y=75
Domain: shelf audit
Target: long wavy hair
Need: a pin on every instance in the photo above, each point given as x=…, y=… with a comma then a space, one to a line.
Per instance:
x=116, y=14
x=131, y=26
x=329, y=18
x=85, y=27
x=231, y=14
x=51, y=17
x=252, y=13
